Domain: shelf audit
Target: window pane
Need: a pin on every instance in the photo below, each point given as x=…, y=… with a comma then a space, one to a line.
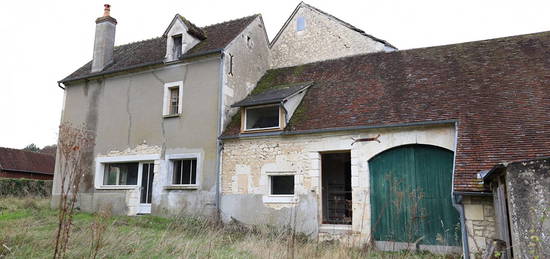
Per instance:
x=282, y=184
x=264, y=117
x=174, y=100
x=300, y=23
x=121, y=174
x=177, y=46
x=185, y=171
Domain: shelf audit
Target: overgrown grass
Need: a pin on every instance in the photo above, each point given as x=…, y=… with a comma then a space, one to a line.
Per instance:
x=27, y=230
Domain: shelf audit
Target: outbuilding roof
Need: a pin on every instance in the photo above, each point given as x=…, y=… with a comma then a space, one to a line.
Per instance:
x=153, y=51
x=275, y=94
x=497, y=91
x=26, y=161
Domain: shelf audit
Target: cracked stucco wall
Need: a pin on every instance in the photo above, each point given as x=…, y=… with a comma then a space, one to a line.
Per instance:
x=126, y=114
x=247, y=162
x=323, y=38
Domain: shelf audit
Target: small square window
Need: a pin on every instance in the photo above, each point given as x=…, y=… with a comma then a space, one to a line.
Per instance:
x=282, y=184
x=300, y=24
x=266, y=117
x=120, y=174
x=184, y=171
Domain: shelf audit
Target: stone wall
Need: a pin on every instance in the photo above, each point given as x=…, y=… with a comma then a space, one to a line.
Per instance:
x=323, y=38
x=480, y=222
x=246, y=164
x=528, y=185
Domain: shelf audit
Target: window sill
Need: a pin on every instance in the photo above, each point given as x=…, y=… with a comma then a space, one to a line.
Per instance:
x=280, y=199
x=247, y=131
x=171, y=116
x=181, y=187
x=119, y=187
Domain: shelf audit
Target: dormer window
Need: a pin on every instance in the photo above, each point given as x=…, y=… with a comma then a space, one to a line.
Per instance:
x=271, y=108
x=266, y=117
x=181, y=36
x=177, y=46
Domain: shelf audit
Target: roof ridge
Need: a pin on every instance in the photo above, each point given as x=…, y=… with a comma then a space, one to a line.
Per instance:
x=413, y=49
x=138, y=41
x=232, y=20
x=26, y=151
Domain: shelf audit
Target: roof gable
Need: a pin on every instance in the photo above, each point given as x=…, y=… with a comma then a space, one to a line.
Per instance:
x=351, y=27
x=192, y=29
x=498, y=92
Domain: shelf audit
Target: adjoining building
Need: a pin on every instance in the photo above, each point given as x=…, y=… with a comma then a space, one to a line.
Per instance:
x=389, y=147
x=16, y=163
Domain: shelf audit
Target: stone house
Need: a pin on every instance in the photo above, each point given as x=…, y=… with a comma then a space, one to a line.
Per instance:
x=157, y=107
x=325, y=129
x=388, y=147
x=16, y=163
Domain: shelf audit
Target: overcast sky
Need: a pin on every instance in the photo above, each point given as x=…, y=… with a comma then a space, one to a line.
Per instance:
x=44, y=41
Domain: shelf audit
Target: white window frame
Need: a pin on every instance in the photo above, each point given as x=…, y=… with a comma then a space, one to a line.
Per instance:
x=170, y=169
x=100, y=163
x=278, y=127
x=166, y=102
x=280, y=198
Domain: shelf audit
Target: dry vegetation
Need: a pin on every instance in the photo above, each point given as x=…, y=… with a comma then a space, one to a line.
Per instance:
x=28, y=227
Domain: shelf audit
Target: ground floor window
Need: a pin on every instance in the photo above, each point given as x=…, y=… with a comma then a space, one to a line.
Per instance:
x=184, y=171
x=121, y=174
x=281, y=184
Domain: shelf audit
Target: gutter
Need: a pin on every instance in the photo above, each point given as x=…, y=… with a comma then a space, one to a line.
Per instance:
x=459, y=206
x=299, y=132
x=60, y=86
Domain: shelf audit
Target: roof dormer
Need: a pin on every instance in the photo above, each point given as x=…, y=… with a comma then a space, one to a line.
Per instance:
x=272, y=109
x=181, y=35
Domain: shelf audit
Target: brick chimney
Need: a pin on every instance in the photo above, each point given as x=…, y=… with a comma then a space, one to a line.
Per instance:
x=104, y=42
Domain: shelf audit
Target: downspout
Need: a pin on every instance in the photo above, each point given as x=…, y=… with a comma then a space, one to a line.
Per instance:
x=459, y=206
x=219, y=142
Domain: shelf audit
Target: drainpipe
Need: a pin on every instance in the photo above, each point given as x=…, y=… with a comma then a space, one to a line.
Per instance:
x=459, y=206
x=219, y=143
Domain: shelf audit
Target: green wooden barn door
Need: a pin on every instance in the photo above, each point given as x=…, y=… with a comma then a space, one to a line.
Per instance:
x=411, y=196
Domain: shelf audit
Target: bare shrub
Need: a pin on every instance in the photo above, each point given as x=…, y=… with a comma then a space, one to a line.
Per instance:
x=98, y=229
x=74, y=143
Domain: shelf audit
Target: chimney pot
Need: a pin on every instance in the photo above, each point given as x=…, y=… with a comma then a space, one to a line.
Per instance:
x=107, y=10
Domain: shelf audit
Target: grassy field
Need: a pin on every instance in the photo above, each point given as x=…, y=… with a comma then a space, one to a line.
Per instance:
x=27, y=230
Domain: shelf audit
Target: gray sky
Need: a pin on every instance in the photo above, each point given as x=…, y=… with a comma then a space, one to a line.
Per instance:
x=44, y=41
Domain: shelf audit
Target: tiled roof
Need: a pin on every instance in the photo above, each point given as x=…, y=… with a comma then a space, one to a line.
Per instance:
x=153, y=51
x=497, y=90
x=26, y=161
x=272, y=95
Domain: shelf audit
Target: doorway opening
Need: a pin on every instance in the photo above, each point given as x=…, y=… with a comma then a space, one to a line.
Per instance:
x=336, y=191
x=146, y=193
